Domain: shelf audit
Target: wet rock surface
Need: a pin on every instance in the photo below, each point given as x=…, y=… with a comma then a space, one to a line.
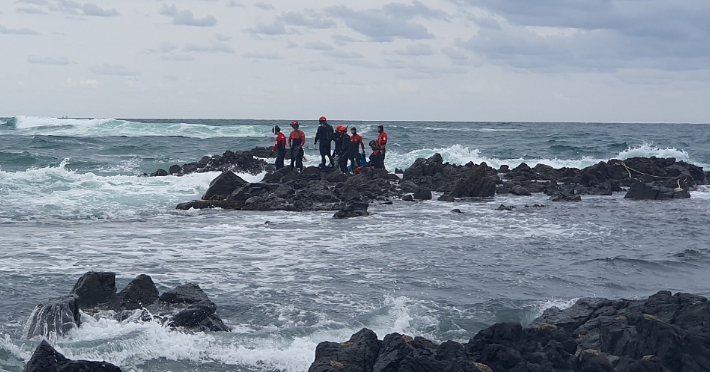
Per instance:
x=46, y=359
x=325, y=188
x=665, y=332
x=186, y=306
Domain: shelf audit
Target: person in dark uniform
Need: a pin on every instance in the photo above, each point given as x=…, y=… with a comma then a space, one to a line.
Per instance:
x=342, y=147
x=296, y=140
x=377, y=158
x=279, y=147
x=325, y=136
x=353, y=153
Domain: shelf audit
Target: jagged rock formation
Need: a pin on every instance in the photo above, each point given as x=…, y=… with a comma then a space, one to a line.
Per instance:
x=663, y=333
x=186, y=306
x=46, y=359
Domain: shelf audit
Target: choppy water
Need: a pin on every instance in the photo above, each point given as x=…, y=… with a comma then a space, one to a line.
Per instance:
x=72, y=202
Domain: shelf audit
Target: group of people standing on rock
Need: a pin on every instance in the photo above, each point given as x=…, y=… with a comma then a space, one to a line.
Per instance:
x=347, y=147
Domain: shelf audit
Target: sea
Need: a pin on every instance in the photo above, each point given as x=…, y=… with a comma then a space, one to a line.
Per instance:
x=72, y=200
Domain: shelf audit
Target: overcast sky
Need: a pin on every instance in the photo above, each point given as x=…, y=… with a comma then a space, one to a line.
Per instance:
x=443, y=60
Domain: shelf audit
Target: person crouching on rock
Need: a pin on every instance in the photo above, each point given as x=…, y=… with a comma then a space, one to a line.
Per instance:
x=279, y=147
x=377, y=158
x=355, y=142
x=325, y=136
x=342, y=147
x=296, y=140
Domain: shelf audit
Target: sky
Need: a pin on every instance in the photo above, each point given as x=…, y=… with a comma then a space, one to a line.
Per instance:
x=433, y=60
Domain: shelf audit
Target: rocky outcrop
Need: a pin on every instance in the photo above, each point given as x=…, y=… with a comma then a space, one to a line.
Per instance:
x=665, y=333
x=312, y=189
x=186, y=306
x=46, y=359
x=319, y=189
x=658, y=190
x=238, y=161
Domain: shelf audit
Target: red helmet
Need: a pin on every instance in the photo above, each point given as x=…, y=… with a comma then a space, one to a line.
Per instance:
x=341, y=128
x=322, y=118
x=294, y=123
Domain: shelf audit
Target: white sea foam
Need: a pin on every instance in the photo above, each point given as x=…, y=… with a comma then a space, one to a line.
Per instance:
x=648, y=150
x=63, y=193
x=460, y=155
x=130, y=344
x=105, y=127
x=33, y=122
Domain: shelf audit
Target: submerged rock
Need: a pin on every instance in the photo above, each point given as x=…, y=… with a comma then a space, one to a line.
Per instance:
x=54, y=317
x=352, y=210
x=46, y=359
x=185, y=306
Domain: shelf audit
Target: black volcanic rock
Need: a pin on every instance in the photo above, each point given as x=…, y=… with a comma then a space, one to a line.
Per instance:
x=46, y=359
x=94, y=288
x=139, y=293
x=658, y=190
x=54, y=317
x=665, y=332
x=223, y=186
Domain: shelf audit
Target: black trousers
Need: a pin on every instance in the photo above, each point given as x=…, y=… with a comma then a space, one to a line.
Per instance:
x=325, y=152
x=297, y=157
x=280, y=155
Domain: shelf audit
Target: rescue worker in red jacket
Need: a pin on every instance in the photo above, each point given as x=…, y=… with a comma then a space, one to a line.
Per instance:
x=296, y=140
x=355, y=142
x=382, y=142
x=279, y=147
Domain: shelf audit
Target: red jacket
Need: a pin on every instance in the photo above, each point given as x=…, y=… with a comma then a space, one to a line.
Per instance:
x=280, y=142
x=382, y=140
x=355, y=140
x=297, y=134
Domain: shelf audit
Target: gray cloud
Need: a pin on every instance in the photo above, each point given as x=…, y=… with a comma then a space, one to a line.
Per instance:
x=211, y=48
x=186, y=18
x=33, y=2
x=61, y=61
x=94, y=10
x=416, y=50
x=234, y=4
x=276, y=28
x=342, y=40
x=87, y=9
x=17, y=31
x=114, y=70
x=176, y=58
x=344, y=55
x=221, y=37
x=312, y=20
x=264, y=6
x=266, y=55
x=596, y=34
x=318, y=45
x=30, y=10
x=382, y=25
x=456, y=56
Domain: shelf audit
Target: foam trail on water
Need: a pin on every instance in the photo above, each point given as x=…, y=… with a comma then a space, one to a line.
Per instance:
x=108, y=127
x=56, y=192
x=460, y=155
